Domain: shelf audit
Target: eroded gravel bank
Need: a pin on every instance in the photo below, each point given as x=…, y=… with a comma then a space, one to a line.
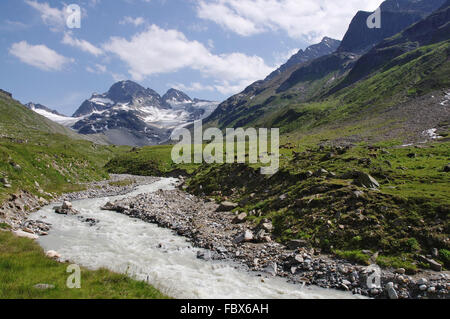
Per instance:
x=229, y=238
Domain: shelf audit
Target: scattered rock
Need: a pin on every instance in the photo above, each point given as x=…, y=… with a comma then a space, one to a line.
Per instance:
x=435, y=252
x=401, y=271
x=246, y=236
x=366, y=180
x=358, y=194
x=227, y=206
x=22, y=234
x=297, y=243
x=240, y=218
x=422, y=281
x=434, y=265
x=391, y=291
x=44, y=286
x=67, y=205
x=204, y=255
x=321, y=172
x=53, y=254
x=271, y=269
x=299, y=258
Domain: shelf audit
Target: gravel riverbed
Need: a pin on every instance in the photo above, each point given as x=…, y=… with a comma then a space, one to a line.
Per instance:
x=228, y=236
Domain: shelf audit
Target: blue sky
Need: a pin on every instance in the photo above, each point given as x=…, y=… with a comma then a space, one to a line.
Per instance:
x=208, y=48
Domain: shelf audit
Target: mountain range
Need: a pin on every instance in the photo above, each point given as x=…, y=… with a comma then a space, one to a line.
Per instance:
x=355, y=79
x=328, y=82
x=129, y=114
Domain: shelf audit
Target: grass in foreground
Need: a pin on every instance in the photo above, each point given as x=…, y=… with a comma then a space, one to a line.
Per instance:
x=23, y=265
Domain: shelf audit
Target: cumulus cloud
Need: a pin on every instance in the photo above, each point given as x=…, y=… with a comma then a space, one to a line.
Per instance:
x=309, y=20
x=81, y=44
x=157, y=51
x=53, y=17
x=39, y=56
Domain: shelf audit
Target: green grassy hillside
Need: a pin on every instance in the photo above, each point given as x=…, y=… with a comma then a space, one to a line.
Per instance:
x=34, y=149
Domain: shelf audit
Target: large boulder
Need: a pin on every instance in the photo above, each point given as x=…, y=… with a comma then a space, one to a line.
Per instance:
x=365, y=180
x=434, y=265
x=227, y=206
x=65, y=209
x=391, y=291
x=22, y=234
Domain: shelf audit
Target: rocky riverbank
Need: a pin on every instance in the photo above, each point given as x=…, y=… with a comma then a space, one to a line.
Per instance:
x=15, y=211
x=229, y=236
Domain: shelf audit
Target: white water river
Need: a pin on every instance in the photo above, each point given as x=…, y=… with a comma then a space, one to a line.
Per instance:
x=146, y=252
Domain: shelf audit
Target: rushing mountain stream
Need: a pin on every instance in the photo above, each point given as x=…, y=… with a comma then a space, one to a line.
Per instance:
x=157, y=255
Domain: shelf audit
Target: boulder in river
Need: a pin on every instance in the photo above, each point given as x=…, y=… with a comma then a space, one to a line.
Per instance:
x=271, y=269
x=66, y=209
x=108, y=206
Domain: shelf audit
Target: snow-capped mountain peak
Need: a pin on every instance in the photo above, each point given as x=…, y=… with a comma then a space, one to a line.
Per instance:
x=175, y=97
x=133, y=115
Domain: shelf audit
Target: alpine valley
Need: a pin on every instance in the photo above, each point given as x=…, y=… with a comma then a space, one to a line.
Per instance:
x=363, y=179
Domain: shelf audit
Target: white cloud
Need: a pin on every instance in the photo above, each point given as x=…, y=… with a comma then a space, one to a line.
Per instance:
x=81, y=44
x=157, y=51
x=193, y=87
x=309, y=20
x=135, y=21
x=97, y=68
x=39, y=56
x=9, y=25
x=53, y=17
